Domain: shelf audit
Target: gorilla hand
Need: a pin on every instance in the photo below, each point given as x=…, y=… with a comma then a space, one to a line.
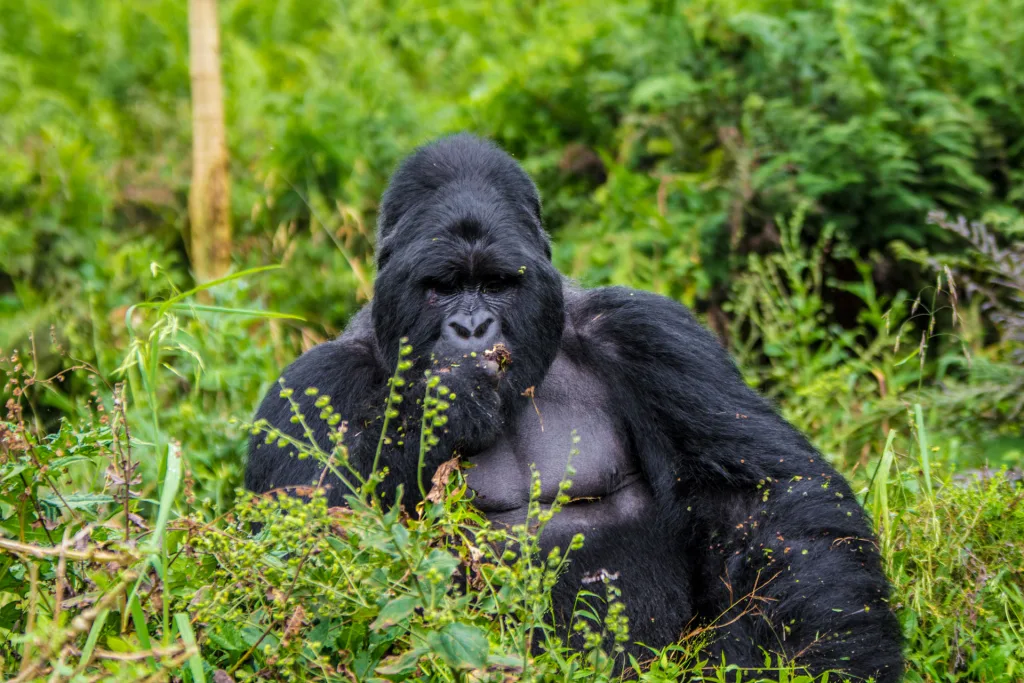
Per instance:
x=474, y=412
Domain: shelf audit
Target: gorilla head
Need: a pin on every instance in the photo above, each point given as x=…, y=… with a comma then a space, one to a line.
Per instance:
x=464, y=264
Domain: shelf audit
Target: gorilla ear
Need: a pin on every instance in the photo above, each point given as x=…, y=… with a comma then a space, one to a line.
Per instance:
x=383, y=246
x=534, y=209
x=547, y=244
x=385, y=249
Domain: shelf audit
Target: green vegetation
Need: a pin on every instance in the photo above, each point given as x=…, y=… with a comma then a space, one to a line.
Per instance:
x=778, y=166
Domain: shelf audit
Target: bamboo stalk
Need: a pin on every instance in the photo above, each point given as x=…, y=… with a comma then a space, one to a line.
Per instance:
x=210, y=195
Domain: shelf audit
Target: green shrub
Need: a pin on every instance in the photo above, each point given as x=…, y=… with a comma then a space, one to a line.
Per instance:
x=707, y=119
x=109, y=573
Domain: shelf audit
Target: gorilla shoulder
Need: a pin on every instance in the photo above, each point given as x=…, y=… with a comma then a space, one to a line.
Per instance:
x=348, y=370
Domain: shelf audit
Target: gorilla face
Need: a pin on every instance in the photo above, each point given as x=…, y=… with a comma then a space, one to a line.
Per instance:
x=463, y=264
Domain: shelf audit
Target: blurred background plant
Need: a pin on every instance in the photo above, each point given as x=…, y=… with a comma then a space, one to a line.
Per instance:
x=835, y=187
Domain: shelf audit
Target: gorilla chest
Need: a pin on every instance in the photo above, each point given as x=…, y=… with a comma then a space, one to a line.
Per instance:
x=571, y=402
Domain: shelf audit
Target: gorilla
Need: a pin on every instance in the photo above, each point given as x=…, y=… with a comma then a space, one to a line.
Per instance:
x=689, y=487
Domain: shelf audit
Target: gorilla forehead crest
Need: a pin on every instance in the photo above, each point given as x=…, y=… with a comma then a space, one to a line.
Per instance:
x=460, y=185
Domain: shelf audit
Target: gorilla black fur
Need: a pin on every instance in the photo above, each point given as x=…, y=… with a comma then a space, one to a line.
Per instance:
x=706, y=503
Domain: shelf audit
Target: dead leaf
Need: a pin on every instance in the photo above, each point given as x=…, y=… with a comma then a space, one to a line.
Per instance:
x=295, y=622
x=441, y=478
x=338, y=516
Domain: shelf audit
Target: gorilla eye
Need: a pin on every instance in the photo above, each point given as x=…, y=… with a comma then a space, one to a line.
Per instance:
x=496, y=285
x=440, y=287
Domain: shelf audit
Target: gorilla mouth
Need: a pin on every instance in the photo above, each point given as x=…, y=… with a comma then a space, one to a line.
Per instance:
x=499, y=354
x=495, y=361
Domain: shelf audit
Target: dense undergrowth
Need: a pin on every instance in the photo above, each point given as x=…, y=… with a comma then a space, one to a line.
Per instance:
x=790, y=169
x=113, y=568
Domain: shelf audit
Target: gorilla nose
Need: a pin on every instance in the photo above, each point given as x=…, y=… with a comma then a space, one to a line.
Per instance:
x=471, y=331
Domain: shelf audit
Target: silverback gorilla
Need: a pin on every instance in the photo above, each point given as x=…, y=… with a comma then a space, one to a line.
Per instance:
x=688, y=485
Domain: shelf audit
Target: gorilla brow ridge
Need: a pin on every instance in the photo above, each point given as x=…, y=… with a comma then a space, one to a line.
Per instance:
x=473, y=259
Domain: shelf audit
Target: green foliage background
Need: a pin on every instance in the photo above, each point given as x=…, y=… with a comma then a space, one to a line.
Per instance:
x=770, y=164
x=708, y=118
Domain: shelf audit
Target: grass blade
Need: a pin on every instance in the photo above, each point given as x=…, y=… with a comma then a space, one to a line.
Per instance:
x=195, y=662
x=922, y=446
x=250, y=312
x=170, y=490
x=141, y=630
x=213, y=283
x=164, y=306
x=94, y=635
x=879, y=492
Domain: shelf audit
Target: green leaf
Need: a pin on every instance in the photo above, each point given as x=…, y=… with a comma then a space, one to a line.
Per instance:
x=319, y=633
x=461, y=646
x=351, y=637
x=251, y=635
x=227, y=637
x=67, y=460
x=402, y=665
x=213, y=283
x=78, y=501
x=118, y=644
x=9, y=614
x=14, y=471
x=401, y=536
x=396, y=611
x=444, y=563
x=507, y=661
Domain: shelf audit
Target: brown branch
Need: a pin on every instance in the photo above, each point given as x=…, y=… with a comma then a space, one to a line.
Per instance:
x=91, y=555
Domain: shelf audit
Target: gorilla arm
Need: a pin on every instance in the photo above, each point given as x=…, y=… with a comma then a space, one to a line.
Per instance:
x=783, y=555
x=349, y=371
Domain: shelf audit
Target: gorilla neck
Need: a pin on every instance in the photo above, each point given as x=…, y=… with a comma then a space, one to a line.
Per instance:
x=608, y=486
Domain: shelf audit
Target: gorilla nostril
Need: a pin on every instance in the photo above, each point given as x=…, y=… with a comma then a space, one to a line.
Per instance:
x=482, y=328
x=469, y=330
